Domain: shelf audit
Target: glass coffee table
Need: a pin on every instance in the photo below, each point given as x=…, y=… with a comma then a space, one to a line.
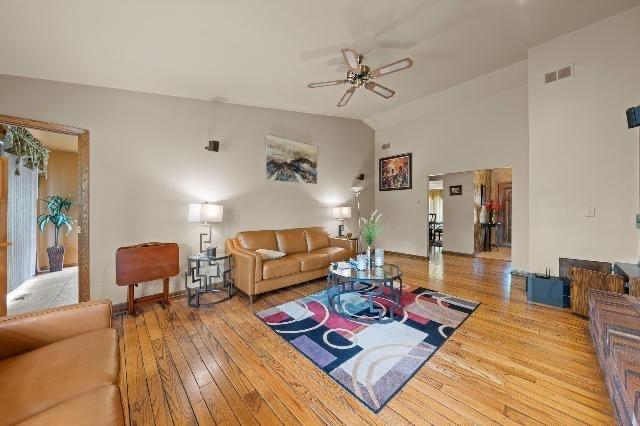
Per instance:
x=373, y=285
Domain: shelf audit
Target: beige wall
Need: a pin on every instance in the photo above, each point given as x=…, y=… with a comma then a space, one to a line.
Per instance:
x=581, y=153
x=148, y=161
x=481, y=124
x=62, y=180
x=458, y=213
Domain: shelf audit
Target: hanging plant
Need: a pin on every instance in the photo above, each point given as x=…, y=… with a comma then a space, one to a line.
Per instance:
x=29, y=150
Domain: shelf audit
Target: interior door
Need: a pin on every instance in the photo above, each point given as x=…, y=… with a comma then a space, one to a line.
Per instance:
x=505, y=195
x=4, y=244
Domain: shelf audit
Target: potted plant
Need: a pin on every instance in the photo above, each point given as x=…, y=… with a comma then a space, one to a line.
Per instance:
x=370, y=230
x=58, y=216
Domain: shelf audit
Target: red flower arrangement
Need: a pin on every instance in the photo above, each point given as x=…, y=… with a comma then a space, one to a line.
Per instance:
x=493, y=206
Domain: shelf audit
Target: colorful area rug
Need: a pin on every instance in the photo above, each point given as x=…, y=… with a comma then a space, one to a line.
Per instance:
x=373, y=361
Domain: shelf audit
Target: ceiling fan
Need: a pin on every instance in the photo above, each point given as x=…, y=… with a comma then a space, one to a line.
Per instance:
x=360, y=74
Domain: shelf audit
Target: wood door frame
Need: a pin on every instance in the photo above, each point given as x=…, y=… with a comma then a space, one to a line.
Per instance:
x=84, y=288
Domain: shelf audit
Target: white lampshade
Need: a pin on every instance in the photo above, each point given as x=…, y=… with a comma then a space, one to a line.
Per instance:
x=205, y=213
x=341, y=213
x=357, y=189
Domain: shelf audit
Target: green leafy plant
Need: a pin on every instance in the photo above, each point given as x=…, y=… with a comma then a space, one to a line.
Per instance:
x=58, y=215
x=371, y=228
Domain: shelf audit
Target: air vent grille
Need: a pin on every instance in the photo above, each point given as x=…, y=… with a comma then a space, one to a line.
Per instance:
x=550, y=77
x=565, y=72
x=562, y=73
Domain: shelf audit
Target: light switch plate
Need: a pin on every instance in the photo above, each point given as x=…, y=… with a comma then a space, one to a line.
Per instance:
x=590, y=212
x=638, y=221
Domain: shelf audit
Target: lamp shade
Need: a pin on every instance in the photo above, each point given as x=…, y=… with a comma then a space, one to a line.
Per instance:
x=205, y=213
x=357, y=189
x=341, y=213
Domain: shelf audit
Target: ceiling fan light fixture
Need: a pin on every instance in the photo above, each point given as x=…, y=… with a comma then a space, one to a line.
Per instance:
x=360, y=74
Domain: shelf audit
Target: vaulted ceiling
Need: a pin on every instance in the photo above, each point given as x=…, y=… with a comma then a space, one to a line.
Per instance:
x=264, y=52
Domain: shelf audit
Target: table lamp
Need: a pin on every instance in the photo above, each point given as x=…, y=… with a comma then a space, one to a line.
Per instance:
x=205, y=214
x=341, y=213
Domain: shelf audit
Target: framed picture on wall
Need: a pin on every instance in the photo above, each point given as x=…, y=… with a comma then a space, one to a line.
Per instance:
x=395, y=173
x=291, y=161
x=455, y=190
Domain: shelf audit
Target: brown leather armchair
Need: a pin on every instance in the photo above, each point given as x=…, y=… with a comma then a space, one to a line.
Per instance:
x=309, y=251
x=60, y=366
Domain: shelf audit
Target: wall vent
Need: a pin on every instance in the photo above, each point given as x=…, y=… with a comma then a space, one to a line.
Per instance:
x=565, y=72
x=550, y=77
x=562, y=73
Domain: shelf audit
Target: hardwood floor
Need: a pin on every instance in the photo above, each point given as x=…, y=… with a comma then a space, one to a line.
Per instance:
x=510, y=363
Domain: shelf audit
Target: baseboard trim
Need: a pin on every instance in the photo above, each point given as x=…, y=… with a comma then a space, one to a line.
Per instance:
x=407, y=255
x=120, y=309
x=456, y=253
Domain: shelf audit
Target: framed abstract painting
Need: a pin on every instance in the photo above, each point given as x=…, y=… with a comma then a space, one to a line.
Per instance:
x=290, y=161
x=395, y=173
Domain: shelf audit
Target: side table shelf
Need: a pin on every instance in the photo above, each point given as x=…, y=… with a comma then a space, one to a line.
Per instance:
x=208, y=274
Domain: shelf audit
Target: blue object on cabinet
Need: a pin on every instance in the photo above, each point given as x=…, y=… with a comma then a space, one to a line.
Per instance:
x=548, y=290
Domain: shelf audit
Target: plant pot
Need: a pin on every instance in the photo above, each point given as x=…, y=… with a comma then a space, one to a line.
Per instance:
x=56, y=258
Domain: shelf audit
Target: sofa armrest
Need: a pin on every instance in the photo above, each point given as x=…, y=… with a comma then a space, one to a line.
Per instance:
x=343, y=243
x=23, y=333
x=246, y=268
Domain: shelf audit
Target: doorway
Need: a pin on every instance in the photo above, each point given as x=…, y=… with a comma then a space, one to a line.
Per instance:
x=436, y=213
x=27, y=186
x=475, y=210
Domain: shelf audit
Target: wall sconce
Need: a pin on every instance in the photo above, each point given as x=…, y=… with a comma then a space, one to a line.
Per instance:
x=213, y=146
x=341, y=213
x=360, y=176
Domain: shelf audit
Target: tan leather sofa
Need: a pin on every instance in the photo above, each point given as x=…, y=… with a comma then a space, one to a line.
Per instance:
x=309, y=251
x=60, y=367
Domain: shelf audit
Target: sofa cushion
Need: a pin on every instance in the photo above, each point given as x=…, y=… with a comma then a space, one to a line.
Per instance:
x=36, y=381
x=253, y=240
x=270, y=254
x=311, y=261
x=317, y=238
x=280, y=267
x=101, y=406
x=336, y=254
x=292, y=241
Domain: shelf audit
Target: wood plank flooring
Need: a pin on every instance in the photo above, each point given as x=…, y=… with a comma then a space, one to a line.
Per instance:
x=511, y=362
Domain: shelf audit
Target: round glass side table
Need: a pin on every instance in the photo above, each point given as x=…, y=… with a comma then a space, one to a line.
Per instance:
x=371, y=283
x=208, y=274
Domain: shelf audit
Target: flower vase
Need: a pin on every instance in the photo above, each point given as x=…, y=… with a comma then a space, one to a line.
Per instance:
x=369, y=255
x=483, y=214
x=379, y=257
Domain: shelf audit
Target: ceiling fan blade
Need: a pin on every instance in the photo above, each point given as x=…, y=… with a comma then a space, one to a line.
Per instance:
x=326, y=83
x=351, y=56
x=347, y=95
x=379, y=90
x=393, y=67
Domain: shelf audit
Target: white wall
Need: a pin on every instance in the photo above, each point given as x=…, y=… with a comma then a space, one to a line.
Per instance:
x=458, y=213
x=481, y=124
x=581, y=152
x=148, y=161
